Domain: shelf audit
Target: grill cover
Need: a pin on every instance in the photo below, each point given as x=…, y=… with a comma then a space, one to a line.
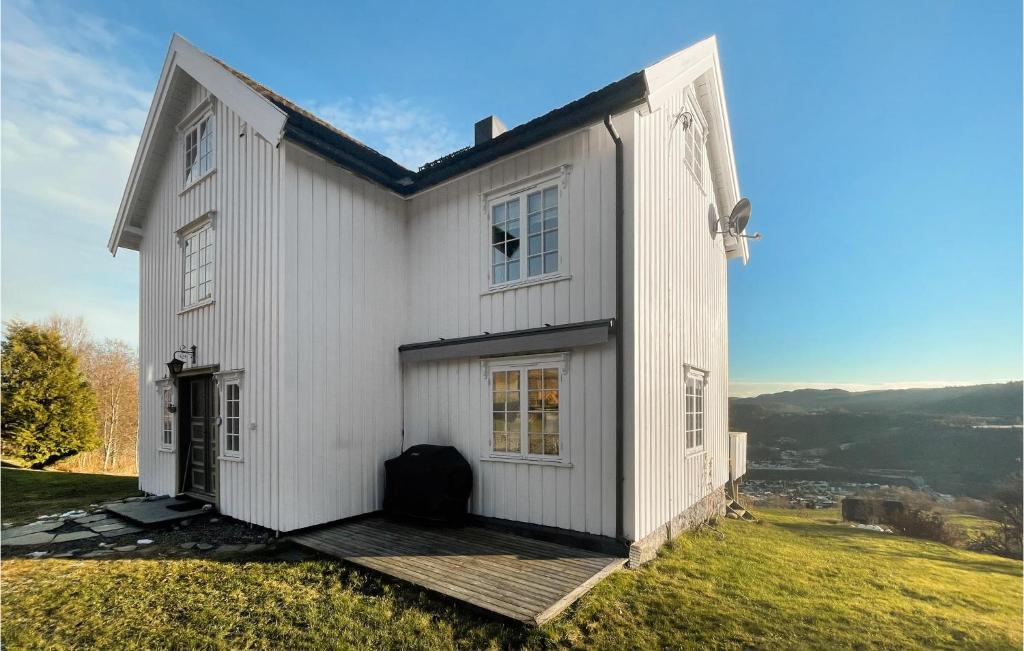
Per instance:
x=428, y=482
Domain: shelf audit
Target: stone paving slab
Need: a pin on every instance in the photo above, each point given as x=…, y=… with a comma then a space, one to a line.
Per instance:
x=91, y=518
x=74, y=535
x=38, y=538
x=156, y=511
x=123, y=531
x=35, y=527
x=108, y=526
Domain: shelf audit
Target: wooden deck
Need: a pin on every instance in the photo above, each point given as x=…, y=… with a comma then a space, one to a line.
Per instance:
x=520, y=578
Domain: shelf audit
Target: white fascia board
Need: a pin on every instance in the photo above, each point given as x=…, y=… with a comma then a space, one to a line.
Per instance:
x=679, y=70
x=261, y=115
x=259, y=112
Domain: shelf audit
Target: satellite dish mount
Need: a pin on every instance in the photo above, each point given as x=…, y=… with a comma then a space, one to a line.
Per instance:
x=737, y=220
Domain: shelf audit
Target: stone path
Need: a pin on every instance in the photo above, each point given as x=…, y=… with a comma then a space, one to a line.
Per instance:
x=104, y=534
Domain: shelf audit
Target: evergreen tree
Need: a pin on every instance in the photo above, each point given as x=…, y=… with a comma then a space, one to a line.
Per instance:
x=49, y=409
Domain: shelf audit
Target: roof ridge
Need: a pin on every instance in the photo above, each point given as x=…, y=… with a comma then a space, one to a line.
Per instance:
x=285, y=103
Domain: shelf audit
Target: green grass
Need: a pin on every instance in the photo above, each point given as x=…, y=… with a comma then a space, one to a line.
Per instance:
x=26, y=494
x=797, y=580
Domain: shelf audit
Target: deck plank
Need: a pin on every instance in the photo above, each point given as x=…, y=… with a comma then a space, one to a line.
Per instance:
x=526, y=580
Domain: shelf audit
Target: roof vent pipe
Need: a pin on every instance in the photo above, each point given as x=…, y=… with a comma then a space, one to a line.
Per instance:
x=488, y=129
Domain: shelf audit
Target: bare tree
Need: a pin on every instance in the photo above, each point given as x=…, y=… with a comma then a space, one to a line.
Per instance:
x=112, y=370
x=73, y=332
x=114, y=376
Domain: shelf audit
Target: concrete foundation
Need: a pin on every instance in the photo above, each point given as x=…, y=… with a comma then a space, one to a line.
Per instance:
x=645, y=549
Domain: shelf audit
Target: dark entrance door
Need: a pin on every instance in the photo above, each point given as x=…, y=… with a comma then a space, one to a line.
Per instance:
x=198, y=454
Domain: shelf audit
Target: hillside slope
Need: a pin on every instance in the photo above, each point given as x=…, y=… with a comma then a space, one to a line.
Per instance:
x=961, y=440
x=998, y=401
x=798, y=580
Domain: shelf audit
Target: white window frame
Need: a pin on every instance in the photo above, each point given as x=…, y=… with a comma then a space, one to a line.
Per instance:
x=523, y=364
x=227, y=379
x=695, y=139
x=189, y=125
x=695, y=418
x=557, y=179
x=165, y=391
x=204, y=224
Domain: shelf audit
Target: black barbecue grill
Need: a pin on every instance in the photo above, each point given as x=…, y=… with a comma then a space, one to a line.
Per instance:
x=428, y=482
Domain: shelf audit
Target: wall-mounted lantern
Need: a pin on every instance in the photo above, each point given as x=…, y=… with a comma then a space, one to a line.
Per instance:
x=176, y=365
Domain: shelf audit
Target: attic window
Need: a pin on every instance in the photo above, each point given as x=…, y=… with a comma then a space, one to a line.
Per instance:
x=198, y=146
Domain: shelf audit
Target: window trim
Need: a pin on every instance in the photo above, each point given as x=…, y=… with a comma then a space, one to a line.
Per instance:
x=225, y=379
x=205, y=221
x=165, y=393
x=206, y=109
x=523, y=363
x=701, y=376
x=700, y=140
x=557, y=177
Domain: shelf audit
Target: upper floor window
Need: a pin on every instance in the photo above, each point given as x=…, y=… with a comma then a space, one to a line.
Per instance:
x=198, y=250
x=526, y=407
x=509, y=262
x=695, y=381
x=199, y=150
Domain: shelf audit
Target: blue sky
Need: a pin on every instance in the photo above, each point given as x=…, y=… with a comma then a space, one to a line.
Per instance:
x=880, y=144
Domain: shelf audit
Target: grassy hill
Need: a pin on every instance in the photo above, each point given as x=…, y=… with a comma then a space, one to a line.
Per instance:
x=994, y=401
x=944, y=435
x=797, y=580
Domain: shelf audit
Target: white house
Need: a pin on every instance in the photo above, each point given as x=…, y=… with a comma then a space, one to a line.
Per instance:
x=551, y=301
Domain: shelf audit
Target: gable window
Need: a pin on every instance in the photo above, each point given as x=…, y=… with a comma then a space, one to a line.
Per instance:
x=695, y=381
x=526, y=408
x=694, y=147
x=199, y=150
x=231, y=423
x=166, y=418
x=198, y=247
x=509, y=262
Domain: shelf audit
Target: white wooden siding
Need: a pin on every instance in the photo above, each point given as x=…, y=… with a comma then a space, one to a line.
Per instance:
x=679, y=317
x=448, y=403
x=449, y=253
x=342, y=284
x=447, y=296
x=238, y=331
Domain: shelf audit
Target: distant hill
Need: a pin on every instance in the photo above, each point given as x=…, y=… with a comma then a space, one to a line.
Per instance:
x=957, y=438
x=1001, y=401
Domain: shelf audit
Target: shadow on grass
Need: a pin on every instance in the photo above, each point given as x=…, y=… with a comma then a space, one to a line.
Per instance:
x=365, y=582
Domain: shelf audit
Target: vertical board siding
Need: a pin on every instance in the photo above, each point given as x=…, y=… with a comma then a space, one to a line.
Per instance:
x=449, y=252
x=448, y=402
x=237, y=331
x=679, y=311
x=447, y=294
x=344, y=281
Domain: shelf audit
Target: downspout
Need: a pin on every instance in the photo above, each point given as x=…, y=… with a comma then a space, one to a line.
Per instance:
x=619, y=346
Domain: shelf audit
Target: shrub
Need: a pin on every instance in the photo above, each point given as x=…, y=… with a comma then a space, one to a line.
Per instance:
x=927, y=525
x=49, y=410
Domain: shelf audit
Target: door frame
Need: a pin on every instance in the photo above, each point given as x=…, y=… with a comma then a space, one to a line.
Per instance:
x=184, y=431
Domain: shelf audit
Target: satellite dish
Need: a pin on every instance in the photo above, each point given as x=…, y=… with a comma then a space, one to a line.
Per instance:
x=739, y=216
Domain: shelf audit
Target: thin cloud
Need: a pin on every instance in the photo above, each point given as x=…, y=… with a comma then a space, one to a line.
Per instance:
x=398, y=128
x=72, y=112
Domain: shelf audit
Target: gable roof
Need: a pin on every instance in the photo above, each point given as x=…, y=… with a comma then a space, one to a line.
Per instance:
x=327, y=140
x=275, y=117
